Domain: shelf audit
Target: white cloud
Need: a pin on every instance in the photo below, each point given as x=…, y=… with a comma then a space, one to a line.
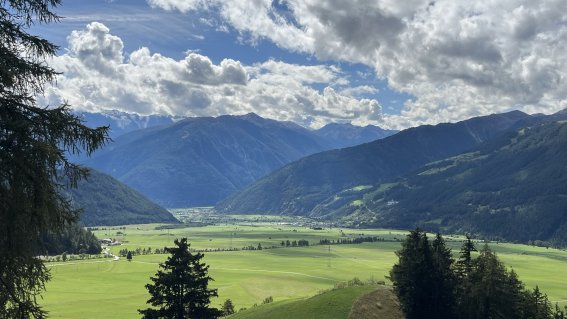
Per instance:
x=183, y=6
x=97, y=75
x=359, y=90
x=459, y=58
x=96, y=47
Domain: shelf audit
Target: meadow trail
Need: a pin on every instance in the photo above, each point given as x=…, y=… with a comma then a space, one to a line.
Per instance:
x=106, y=251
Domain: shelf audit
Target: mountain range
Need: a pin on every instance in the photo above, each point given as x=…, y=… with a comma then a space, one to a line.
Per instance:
x=121, y=123
x=199, y=161
x=340, y=135
x=512, y=187
x=500, y=176
x=299, y=186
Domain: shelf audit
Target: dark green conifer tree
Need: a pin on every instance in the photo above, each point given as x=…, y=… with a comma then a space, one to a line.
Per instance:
x=34, y=142
x=411, y=276
x=464, y=264
x=463, y=270
x=443, y=281
x=180, y=288
x=429, y=284
x=491, y=295
x=536, y=305
x=227, y=308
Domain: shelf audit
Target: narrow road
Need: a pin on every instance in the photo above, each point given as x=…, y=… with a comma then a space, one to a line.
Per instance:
x=105, y=251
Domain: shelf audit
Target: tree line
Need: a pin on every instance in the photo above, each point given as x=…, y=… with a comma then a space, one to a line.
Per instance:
x=349, y=241
x=430, y=283
x=72, y=239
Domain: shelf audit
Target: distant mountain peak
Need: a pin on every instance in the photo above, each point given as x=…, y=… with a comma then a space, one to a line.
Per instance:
x=347, y=134
x=337, y=124
x=122, y=122
x=251, y=115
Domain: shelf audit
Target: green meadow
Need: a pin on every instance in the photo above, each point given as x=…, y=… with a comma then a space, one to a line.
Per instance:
x=335, y=304
x=115, y=289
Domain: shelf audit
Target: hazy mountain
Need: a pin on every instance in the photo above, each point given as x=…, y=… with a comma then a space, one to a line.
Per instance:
x=198, y=161
x=345, y=135
x=121, y=123
x=335, y=135
x=298, y=187
x=513, y=187
x=106, y=201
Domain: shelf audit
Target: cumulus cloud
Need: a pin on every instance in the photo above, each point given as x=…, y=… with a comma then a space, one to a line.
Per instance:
x=98, y=75
x=96, y=47
x=200, y=69
x=459, y=58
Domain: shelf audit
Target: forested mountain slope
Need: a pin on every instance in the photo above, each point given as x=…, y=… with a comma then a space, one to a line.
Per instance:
x=106, y=201
x=513, y=187
x=298, y=187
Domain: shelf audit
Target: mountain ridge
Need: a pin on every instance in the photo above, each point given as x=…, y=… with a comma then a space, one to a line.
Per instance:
x=106, y=201
x=199, y=161
x=343, y=134
x=296, y=188
x=513, y=187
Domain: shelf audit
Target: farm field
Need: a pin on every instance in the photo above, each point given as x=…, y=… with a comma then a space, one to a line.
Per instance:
x=115, y=289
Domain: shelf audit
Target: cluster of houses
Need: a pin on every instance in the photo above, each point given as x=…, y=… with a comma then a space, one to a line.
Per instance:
x=109, y=242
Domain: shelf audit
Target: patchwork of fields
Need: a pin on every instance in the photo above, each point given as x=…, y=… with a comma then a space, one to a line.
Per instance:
x=115, y=289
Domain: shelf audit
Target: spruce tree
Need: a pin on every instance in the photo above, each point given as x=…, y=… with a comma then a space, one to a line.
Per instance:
x=537, y=306
x=34, y=142
x=444, y=281
x=180, y=288
x=227, y=308
x=491, y=295
x=411, y=276
x=518, y=302
x=429, y=284
x=463, y=269
x=464, y=264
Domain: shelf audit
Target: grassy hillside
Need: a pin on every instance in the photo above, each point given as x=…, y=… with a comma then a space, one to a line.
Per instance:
x=106, y=201
x=377, y=304
x=298, y=187
x=334, y=304
x=514, y=187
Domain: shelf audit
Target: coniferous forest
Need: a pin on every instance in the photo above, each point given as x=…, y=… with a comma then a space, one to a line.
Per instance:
x=430, y=283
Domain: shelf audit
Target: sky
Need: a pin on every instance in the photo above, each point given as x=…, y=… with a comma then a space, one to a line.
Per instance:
x=391, y=63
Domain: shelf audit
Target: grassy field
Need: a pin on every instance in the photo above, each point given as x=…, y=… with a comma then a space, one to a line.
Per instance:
x=115, y=289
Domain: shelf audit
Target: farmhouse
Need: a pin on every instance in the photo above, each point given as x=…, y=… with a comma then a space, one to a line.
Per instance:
x=106, y=241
